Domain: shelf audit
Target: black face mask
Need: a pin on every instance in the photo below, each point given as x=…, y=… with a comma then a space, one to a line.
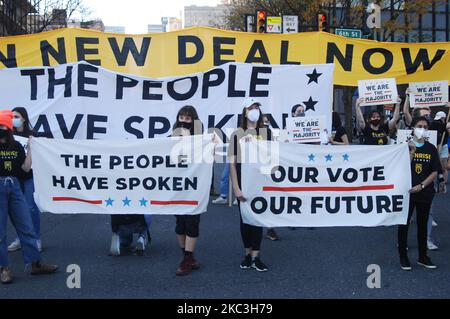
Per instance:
x=3, y=133
x=375, y=122
x=428, y=117
x=185, y=125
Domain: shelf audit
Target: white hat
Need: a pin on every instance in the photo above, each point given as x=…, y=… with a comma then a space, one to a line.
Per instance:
x=249, y=102
x=439, y=115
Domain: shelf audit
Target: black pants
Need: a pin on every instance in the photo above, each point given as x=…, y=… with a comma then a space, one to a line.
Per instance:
x=251, y=235
x=128, y=219
x=422, y=214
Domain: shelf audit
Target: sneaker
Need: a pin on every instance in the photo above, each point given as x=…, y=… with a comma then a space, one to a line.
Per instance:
x=220, y=200
x=258, y=265
x=38, y=268
x=272, y=234
x=405, y=264
x=39, y=245
x=185, y=267
x=6, y=275
x=426, y=262
x=235, y=203
x=431, y=245
x=433, y=223
x=115, y=245
x=15, y=245
x=246, y=263
x=140, y=245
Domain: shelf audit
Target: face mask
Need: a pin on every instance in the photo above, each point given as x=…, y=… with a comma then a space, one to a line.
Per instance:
x=418, y=144
x=375, y=122
x=301, y=114
x=253, y=115
x=3, y=133
x=17, y=122
x=185, y=125
x=420, y=132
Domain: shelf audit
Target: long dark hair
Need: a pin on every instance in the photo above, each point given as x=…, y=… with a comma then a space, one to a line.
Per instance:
x=27, y=128
x=188, y=110
x=259, y=124
x=336, y=120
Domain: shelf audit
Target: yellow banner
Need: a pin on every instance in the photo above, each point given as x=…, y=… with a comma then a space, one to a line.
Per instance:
x=199, y=49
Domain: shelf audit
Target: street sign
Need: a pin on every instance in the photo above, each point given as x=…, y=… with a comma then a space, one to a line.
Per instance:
x=349, y=33
x=290, y=24
x=273, y=25
x=249, y=23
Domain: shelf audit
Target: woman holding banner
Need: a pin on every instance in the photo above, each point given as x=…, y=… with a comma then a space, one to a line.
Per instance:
x=187, y=226
x=376, y=130
x=424, y=170
x=22, y=127
x=13, y=164
x=252, y=126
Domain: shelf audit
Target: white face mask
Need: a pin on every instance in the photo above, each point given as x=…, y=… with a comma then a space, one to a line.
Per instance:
x=420, y=133
x=253, y=115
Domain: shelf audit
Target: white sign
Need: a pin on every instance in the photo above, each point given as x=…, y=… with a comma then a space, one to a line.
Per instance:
x=374, y=18
x=404, y=136
x=313, y=185
x=273, y=25
x=378, y=91
x=305, y=129
x=167, y=176
x=290, y=24
x=94, y=103
x=426, y=94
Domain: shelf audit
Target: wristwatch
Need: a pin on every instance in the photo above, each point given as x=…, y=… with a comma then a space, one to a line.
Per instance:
x=422, y=185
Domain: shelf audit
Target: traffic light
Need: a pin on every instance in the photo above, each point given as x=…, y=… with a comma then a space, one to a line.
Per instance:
x=261, y=20
x=322, y=22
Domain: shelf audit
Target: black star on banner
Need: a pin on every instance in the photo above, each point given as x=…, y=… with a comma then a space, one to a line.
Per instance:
x=310, y=104
x=313, y=77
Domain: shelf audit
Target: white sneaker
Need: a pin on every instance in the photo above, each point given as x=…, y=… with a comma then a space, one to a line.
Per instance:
x=140, y=245
x=115, y=245
x=15, y=245
x=235, y=202
x=220, y=200
x=39, y=244
x=433, y=223
x=431, y=245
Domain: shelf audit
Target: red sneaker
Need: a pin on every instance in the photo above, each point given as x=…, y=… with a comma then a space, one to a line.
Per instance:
x=194, y=263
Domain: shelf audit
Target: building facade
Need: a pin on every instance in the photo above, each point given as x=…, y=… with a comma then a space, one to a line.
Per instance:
x=204, y=15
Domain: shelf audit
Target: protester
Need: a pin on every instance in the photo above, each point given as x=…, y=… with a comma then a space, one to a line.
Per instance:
x=376, y=130
x=298, y=110
x=13, y=164
x=439, y=125
x=339, y=134
x=424, y=169
x=187, y=226
x=22, y=127
x=418, y=112
x=251, y=127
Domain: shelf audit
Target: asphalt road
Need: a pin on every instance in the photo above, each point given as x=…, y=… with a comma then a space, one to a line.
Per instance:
x=319, y=263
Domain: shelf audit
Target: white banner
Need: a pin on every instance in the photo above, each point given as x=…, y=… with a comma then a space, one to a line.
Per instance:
x=313, y=185
x=83, y=101
x=305, y=129
x=426, y=94
x=148, y=176
x=378, y=91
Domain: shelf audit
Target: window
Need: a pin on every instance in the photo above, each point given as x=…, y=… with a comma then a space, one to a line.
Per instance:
x=440, y=21
x=441, y=36
x=427, y=21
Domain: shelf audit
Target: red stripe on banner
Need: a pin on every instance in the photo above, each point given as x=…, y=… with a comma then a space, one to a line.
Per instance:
x=375, y=102
x=421, y=103
x=327, y=188
x=174, y=202
x=73, y=199
x=304, y=139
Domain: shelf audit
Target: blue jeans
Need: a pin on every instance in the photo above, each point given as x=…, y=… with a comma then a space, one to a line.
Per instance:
x=225, y=181
x=28, y=191
x=13, y=203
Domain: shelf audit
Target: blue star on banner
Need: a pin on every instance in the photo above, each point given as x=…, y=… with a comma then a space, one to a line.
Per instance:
x=126, y=201
x=311, y=157
x=328, y=158
x=109, y=202
x=345, y=157
x=143, y=202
